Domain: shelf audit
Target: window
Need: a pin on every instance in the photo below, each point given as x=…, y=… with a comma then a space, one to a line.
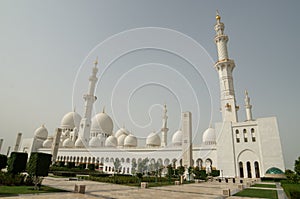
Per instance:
x=241, y=170
x=256, y=167
x=249, y=170
x=237, y=133
x=253, y=135
x=245, y=135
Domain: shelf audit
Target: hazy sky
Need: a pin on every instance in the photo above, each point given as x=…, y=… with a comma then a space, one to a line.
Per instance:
x=46, y=56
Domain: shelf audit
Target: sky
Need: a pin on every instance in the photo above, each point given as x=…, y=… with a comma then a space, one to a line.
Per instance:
x=149, y=53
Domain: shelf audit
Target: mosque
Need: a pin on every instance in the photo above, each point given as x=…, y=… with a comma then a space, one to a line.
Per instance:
x=245, y=149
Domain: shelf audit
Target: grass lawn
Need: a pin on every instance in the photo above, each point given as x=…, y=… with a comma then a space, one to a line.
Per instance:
x=258, y=193
x=264, y=185
x=15, y=190
x=292, y=190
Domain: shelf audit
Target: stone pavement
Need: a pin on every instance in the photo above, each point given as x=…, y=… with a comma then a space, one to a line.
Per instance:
x=114, y=191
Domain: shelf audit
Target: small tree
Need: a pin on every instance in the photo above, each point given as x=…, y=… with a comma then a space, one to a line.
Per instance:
x=17, y=162
x=38, y=166
x=117, y=165
x=297, y=166
x=180, y=170
x=133, y=167
x=3, y=161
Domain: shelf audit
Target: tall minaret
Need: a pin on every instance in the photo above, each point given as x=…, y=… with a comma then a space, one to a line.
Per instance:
x=164, y=129
x=248, y=107
x=225, y=66
x=89, y=98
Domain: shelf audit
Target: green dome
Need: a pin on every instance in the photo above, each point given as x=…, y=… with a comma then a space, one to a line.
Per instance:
x=274, y=170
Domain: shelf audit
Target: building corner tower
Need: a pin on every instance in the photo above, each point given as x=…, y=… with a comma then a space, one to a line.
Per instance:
x=225, y=67
x=89, y=98
x=164, y=129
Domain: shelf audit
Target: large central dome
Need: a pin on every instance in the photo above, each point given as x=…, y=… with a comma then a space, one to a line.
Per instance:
x=102, y=123
x=70, y=120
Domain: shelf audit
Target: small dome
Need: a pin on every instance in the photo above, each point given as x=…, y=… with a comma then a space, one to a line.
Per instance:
x=121, y=131
x=111, y=141
x=79, y=143
x=130, y=141
x=102, y=123
x=95, y=142
x=41, y=133
x=177, y=138
x=48, y=143
x=68, y=143
x=70, y=120
x=153, y=140
x=121, y=139
x=209, y=136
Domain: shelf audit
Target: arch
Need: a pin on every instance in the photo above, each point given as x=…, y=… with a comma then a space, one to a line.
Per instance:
x=127, y=161
x=208, y=165
x=249, y=170
x=256, y=168
x=111, y=159
x=199, y=163
x=127, y=170
x=174, y=162
x=152, y=161
x=122, y=160
x=102, y=160
x=107, y=159
x=166, y=162
x=159, y=161
x=133, y=160
x=241, y=168
x=139, y=160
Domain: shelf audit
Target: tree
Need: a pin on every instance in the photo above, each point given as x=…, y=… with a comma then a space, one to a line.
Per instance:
x=180, y=170
x=143, y=165
x=38, y=166
x=297, y=166
x=17, y=162
x=3, y=161
x=117, y=165
x=133, y=167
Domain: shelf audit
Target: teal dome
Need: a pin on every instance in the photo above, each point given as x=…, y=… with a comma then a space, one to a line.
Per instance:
x=274, y=170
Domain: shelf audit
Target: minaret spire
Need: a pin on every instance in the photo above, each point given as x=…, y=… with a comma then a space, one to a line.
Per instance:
x=89, y=98
x=248, y=107
x=225, y=67
x=164, y=129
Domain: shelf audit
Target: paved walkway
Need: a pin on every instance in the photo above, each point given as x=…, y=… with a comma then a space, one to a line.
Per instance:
x=114, y=191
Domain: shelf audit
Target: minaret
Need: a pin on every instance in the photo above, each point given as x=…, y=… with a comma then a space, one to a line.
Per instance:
x=18, y=140
x=248, y=107
x=89, y=98
x=1, y=142
x=164, y=129
x=225, y=66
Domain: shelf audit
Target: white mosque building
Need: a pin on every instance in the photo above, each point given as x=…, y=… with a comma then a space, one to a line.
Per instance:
x=247, y=149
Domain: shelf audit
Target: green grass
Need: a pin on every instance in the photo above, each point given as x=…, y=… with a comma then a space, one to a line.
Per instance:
x=292, y=190
x=264, y=185
x=15, y=190
x=258, y=193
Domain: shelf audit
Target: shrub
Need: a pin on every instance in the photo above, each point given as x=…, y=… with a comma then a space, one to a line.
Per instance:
x=9, y=179
x=215, y=173
x=71, y=165
x=91, y=167
x=3, y=161
x=38, y=164
x=17, y=162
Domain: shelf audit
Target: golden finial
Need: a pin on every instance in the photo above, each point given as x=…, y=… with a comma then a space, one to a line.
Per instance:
x=246, y=92
x=218, y=18
x=96, y=61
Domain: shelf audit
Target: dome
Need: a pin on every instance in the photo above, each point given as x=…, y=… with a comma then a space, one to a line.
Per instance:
x=48, y=143
x=121, y=139
x=130, y=141
x=153, y=139
x=275, y=173
x=95, y=142
x=79, y=143
x=209, y=136
x=102, y=123
x=41, y=133
x=111, y=141
x=177, y=138
x=68, y=143
x=70, y=121
x=121, y=131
